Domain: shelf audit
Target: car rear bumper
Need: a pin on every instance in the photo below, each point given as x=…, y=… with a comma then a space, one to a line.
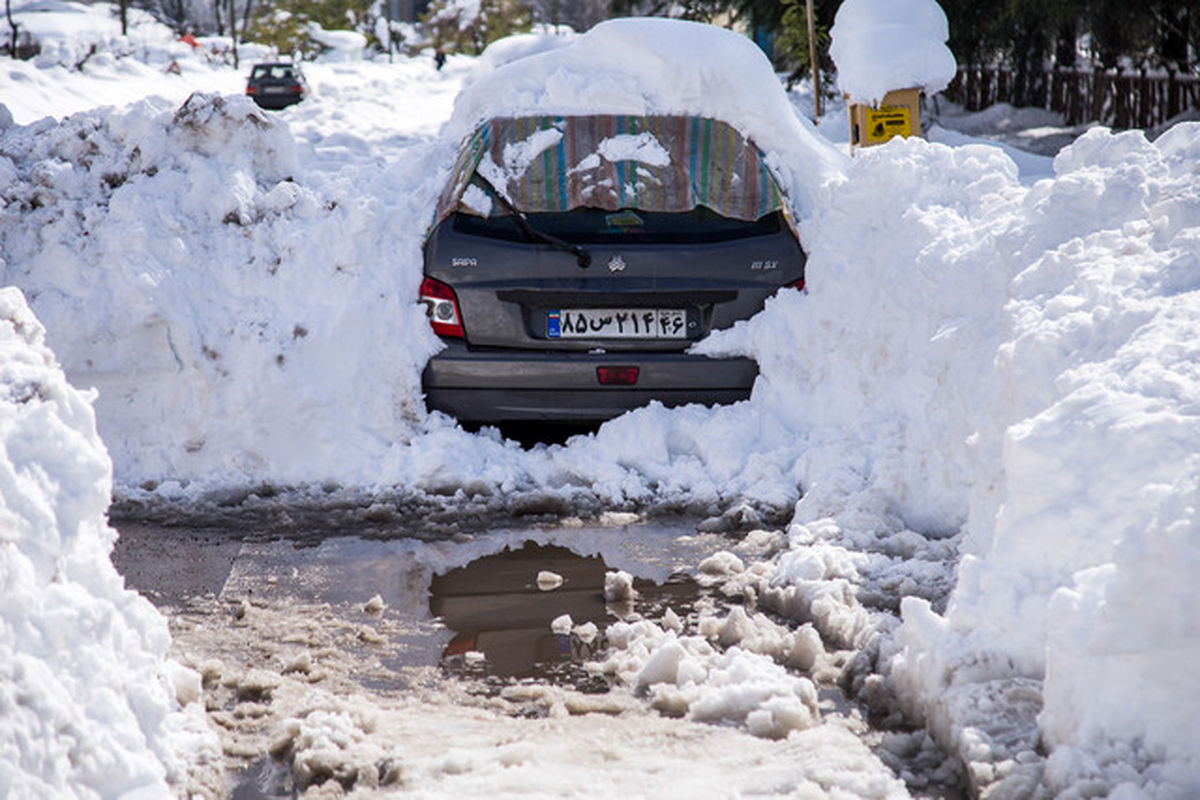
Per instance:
x=512, y=385
x=275, y=102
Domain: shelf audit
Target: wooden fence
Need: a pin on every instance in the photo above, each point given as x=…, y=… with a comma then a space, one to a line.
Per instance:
x=1118, y=98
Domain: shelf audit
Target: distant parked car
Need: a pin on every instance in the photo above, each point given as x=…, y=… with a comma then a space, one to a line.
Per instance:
x=569, y=288
x=276, y=85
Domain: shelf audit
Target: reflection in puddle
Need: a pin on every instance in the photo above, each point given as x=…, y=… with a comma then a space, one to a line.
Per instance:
x=496, y=608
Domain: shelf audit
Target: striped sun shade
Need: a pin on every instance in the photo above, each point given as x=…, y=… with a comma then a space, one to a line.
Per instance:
x=614, y=162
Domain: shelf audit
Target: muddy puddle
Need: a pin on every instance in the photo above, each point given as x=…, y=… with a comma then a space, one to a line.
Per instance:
x=387, y=618
x=473, y=607
x=502, y=610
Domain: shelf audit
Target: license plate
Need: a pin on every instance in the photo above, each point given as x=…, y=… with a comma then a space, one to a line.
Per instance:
x=616, y=323
x=275, y=89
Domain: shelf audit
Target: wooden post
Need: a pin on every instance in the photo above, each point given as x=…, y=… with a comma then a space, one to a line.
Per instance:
x=1145, y=115
x=1172, y=92
x=1099, y=92
x=812, y=61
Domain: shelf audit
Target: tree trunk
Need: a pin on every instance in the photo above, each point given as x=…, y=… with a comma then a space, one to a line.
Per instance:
x=12, y=45
x=233, y=30
x=813, y=64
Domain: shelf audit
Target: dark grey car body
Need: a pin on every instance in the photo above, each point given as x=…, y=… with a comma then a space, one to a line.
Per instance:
x=275, y=85
x=512, y=295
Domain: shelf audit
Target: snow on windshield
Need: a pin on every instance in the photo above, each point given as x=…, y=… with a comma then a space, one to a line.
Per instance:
x=643, y=147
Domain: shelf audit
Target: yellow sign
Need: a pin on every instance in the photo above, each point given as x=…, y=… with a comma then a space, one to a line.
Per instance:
x=886, y=122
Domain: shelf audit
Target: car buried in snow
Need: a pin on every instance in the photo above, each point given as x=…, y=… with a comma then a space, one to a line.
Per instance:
x=276, y=85
x=574, y=260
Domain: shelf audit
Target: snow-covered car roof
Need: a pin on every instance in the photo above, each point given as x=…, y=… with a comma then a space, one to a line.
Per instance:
x=641, y=67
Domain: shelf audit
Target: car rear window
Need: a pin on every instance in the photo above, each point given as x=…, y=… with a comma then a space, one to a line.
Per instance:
x=276, y=72
x=663, y=164
x=594, y=226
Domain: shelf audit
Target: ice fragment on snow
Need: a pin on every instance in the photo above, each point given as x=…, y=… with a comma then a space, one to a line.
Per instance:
x=374, y=606
x=722, y=563
x=618, y=586
x=615, y=519
x=185, y=682
x=301, y=663
x=587, y=632
x=547, y=581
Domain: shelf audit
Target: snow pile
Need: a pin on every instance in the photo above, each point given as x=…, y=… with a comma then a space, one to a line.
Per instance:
x=1021, y=361
x=881, y=45
x=883, y=366
x=1082, y=532
x=88, y=702
x=717, y=680
x=183, y=236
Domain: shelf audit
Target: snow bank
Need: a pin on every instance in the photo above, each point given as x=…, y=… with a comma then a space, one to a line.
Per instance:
x=881, y=45
x=1021, y=361
x=1084, y=504
x=206, y=287
x=89, y=705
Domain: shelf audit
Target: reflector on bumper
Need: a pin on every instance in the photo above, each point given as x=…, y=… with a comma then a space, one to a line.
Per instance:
x=617, y=376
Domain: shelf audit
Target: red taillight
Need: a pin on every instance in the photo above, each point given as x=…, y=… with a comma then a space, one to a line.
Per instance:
x=617, y=376
x=297, y=89
x=797, y=285
x=442, y=308
x=251, y=90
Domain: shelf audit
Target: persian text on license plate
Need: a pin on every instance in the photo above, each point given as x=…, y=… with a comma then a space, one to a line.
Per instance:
x=616, y=323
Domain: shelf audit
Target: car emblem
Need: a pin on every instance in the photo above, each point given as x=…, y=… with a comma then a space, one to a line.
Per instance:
x=616, y=264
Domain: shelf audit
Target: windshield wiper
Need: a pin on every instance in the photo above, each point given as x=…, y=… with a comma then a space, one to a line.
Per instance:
x=583, y=257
